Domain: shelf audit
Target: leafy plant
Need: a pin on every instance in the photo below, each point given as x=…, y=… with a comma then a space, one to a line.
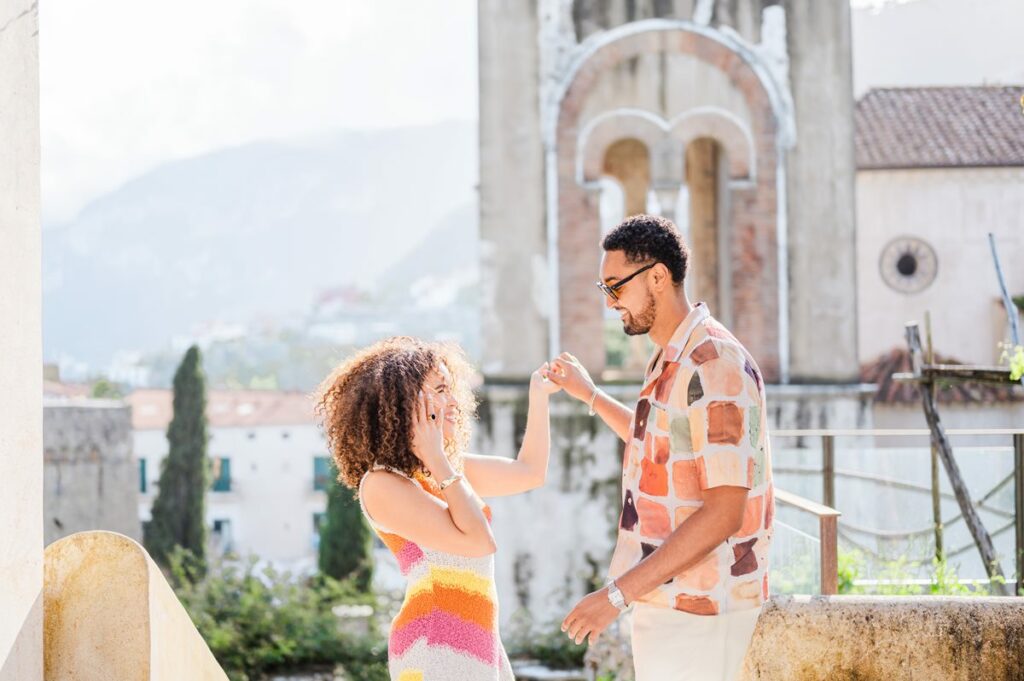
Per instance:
x=546, y=644
x=945, y=580
x=256, y=620
x=1017, y=363
x=105, y=389
x=850, y=566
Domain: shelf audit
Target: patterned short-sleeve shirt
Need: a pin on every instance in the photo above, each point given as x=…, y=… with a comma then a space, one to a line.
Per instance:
x=700, y=423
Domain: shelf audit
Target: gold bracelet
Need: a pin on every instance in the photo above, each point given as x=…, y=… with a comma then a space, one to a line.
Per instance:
x=450, y=481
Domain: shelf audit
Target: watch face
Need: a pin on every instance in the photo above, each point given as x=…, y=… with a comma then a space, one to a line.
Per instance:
x=908, y=264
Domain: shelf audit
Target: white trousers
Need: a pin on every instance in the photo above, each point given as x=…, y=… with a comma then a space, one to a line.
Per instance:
x=669, y=645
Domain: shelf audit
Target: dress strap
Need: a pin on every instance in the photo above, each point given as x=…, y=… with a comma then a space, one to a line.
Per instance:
x=362, y=506
x=379, y=467
x=389, y=469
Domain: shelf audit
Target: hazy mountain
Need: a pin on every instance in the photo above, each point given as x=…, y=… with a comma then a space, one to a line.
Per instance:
x=255, y=232
x=450, y=251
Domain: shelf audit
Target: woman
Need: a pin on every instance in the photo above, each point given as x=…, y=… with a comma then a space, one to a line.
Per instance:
x=397, y=417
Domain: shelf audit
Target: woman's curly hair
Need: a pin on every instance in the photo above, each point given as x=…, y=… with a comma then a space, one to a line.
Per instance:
x=367, y=405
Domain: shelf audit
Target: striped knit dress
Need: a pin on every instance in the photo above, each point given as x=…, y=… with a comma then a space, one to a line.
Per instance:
x=447, y=627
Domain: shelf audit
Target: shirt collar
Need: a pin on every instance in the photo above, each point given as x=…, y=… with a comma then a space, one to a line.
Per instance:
x=680, y=336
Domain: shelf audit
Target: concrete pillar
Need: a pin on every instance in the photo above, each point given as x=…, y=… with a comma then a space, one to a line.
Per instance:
x=515, y=288
x=21, y=389
x=820, y=195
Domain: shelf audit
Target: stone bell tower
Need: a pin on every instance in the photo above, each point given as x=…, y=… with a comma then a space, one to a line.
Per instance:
x=733, y=118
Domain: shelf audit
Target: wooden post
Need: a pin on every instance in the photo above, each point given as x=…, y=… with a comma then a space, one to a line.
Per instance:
x=828, y=470
x=828, y=537
x=937, y=503
x=828, y=532
x=829, y=555
x=997, y=581
x=936, y=496
x=1018, y=496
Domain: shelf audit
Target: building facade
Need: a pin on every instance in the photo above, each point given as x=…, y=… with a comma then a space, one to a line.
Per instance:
x=938, y=169
x=270, y=471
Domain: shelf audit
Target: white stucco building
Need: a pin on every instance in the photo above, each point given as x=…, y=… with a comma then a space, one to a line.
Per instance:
x=270, y=465
x=938, y=168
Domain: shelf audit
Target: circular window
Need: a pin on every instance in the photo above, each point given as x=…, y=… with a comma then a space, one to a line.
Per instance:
x=908, y=264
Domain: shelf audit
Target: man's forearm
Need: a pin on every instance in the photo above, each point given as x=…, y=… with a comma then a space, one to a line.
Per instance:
x=689, y=544
x=615, y=414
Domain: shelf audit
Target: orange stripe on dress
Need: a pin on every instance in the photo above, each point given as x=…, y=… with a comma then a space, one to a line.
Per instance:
x=463, y=604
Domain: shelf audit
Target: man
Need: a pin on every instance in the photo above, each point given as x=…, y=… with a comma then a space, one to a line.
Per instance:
x=697, y=498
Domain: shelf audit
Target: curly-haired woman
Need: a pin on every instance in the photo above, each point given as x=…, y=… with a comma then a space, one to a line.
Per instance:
x=397, y=416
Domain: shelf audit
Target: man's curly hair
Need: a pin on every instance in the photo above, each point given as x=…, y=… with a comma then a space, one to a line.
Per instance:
x=646, y=238
x=367, y=405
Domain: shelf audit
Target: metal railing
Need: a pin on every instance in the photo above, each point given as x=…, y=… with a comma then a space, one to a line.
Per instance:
x=829, y=472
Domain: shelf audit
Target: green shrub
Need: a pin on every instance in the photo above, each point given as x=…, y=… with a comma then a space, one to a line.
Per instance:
x=944, y=578
x=259, y=620
x=545, y=644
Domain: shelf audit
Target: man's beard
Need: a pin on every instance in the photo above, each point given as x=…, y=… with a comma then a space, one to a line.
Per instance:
x=641, y=322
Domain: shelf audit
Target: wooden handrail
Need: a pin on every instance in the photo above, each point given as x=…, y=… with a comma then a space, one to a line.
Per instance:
x=828, y=535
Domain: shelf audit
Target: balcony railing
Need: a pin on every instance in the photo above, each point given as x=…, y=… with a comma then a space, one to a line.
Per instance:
x=883, y=485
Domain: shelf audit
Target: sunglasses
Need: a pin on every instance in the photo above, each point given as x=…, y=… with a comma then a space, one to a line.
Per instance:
x=611, y=291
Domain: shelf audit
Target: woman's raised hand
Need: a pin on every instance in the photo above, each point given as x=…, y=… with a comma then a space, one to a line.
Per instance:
x=428, y=434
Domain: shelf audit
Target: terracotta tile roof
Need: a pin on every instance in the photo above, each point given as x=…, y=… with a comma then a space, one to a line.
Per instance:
x=66, y=390
x=897, y=360
x=152, y=409
x=940, y=127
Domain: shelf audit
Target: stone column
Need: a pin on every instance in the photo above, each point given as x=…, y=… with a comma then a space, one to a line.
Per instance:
x=515, y=290
x=820, y=180
x=21, y=390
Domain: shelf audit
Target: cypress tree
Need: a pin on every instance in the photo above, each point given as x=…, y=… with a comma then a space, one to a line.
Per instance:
x=179, y=509
x=346, y=544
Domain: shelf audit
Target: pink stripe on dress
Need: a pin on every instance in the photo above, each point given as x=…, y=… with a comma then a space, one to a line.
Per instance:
x=446, y=629
x=408, y=556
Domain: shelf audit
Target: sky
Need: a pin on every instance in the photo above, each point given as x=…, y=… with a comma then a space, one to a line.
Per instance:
x=937, y=42
x=129, y=84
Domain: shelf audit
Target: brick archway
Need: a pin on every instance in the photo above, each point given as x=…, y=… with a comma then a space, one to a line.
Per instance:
x=754, y=248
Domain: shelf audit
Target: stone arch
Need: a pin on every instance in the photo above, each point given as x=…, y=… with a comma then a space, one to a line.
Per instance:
x=724, y=128
x=606, y=129
x=628, y=160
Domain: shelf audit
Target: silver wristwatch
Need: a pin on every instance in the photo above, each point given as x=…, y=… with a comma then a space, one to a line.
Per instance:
x=615, y=596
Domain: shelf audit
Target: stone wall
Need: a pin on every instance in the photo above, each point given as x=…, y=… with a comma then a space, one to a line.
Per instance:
x=91, y=474
x=866, y=638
